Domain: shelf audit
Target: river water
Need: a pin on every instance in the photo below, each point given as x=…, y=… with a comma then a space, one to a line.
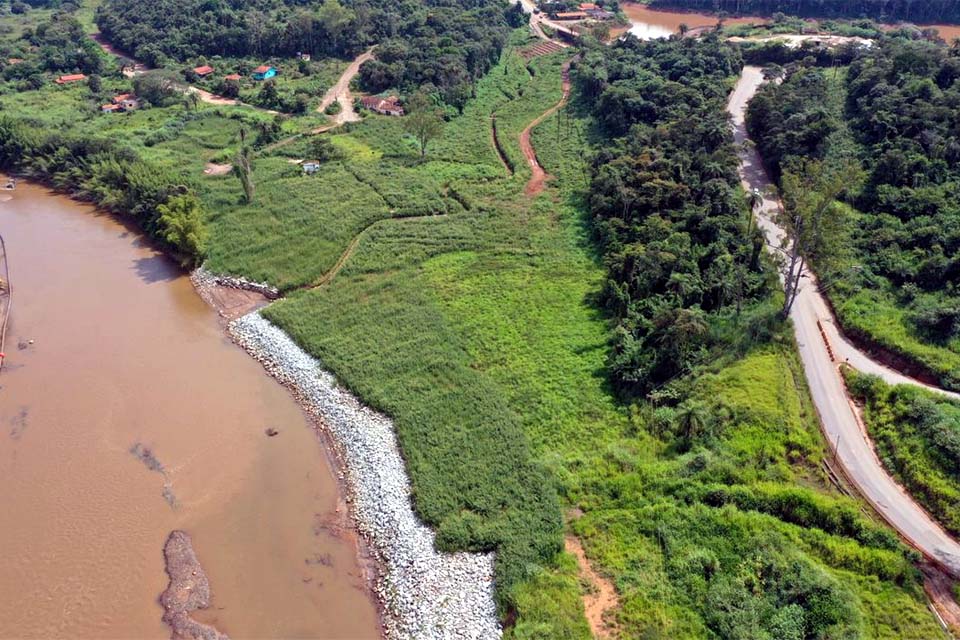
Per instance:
x=124, y=354
x=646, y=23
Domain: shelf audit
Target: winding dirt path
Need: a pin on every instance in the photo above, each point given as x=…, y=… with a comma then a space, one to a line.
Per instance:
x=539, y=177
x=340, y=92
x=816, y=334
x=603, y=596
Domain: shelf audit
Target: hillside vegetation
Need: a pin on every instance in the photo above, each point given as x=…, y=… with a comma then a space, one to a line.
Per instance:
x=893, y=280
x=446, y=44
x=917, y=435
x=921, y=11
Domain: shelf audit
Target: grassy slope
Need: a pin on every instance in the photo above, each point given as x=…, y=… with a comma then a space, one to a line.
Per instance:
x=430, y=314
x=870, y=308
x=910, y=427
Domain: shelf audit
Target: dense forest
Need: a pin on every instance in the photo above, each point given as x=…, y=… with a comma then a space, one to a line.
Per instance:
x=111, y=176
x=901, y=104
x=884, y=10
x=665, y=204
x=57, y=45
x=446, y=43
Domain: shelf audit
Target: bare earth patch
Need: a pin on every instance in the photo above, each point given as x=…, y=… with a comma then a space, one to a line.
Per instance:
x=939, y=588
x=602, y=596
x=214, y=169
x=188, y=591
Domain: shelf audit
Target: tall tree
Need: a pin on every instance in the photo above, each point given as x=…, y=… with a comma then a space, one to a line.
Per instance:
x=423, y=120
x=243, y=167
x=814, y=219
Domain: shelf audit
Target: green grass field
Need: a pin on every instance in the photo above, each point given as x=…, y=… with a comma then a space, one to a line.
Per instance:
x=484, y=321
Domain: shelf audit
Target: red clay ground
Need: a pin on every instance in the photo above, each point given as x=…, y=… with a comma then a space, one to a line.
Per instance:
x=539, y=178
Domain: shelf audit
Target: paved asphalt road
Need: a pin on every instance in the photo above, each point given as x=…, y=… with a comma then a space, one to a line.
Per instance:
x=840, y=422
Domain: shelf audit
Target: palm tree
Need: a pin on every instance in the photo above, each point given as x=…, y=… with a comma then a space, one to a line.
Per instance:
x=693, y=420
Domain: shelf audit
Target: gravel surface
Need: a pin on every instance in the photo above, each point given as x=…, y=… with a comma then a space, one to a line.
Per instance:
x=424, y=594
x=187, y=592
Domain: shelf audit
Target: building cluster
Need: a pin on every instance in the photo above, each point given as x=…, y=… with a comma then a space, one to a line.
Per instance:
x=584, y=11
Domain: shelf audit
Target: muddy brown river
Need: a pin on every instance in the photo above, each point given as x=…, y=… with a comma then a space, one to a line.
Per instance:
x=647, y=23
x=126, y=357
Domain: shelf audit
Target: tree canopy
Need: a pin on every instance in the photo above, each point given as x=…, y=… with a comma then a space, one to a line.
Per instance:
x=665, y=204
x=444, y=43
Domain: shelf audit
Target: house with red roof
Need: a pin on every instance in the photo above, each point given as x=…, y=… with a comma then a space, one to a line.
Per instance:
x=232, y=76
x=74, y=77
x=385, y=106
x=203, y=71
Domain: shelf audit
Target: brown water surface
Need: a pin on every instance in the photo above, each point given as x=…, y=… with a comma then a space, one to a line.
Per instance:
x=125, y=352
x=647, y=23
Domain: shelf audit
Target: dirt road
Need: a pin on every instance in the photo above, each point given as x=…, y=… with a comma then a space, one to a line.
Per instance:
x=539, y=177
x=340, y=92
x=839, y=421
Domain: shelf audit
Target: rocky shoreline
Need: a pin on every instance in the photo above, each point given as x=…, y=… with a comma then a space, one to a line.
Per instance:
x=424, y=594
x=202, y=279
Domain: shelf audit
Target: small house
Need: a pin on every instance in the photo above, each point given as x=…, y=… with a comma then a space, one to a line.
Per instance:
x=203, y=71
x=310, y=167
x=588, y=6
x=110, y=108
x=570, y=15
x=264, y=72
x=386, y=106
x=304, y=56
x=126, y=101
x=74, y=77
x=12, y=61
x=233, y=76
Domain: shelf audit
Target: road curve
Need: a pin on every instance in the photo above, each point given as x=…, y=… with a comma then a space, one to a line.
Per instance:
x=841, y=424
x=340, y=91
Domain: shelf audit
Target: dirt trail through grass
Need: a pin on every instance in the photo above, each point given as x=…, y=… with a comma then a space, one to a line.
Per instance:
x=602, y=597
x=539, y=178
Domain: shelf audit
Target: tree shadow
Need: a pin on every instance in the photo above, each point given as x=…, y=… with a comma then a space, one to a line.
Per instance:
x=156, y=268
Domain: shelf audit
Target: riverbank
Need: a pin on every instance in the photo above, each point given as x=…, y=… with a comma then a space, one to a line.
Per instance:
x=127, y=406
x=423, y=593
